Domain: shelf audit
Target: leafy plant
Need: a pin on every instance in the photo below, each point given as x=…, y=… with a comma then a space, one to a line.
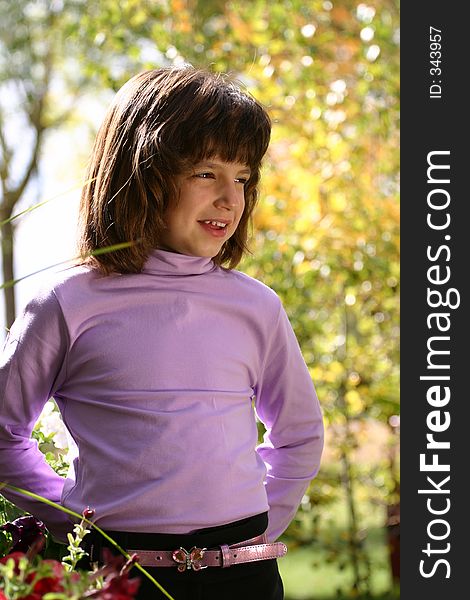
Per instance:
x=25, y=575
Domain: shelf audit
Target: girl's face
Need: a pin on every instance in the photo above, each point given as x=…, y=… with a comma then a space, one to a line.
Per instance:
x=209, y=208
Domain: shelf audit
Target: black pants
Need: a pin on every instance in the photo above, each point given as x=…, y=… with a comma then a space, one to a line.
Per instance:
x=249, y=581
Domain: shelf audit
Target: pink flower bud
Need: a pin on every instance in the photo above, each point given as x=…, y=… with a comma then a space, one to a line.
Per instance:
x=88, y=512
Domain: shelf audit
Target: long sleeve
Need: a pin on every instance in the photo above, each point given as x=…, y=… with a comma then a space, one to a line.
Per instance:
x=287, y=405
x=134, y=362
x=31, y=367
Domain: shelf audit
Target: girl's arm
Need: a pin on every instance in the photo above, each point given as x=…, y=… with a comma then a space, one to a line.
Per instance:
x=32, y=366
x=287, y=404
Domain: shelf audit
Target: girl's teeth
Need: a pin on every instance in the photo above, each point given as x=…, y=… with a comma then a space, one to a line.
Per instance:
x=215, y=223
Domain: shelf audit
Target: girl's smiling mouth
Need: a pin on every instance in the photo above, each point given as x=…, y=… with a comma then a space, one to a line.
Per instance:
x=215, y=228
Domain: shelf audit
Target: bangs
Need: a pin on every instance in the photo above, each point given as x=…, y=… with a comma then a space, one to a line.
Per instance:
x=239, y=134
x=209, y=116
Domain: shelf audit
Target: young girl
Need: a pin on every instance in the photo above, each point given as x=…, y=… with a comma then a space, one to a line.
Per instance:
x=160, y=358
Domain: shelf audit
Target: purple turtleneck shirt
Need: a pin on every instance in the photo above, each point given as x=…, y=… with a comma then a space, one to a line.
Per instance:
x=159, y=377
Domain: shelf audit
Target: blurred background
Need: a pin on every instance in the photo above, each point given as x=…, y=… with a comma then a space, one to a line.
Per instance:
x=326, y=232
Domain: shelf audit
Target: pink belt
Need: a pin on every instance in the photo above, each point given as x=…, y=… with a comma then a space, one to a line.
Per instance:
x=256, y=548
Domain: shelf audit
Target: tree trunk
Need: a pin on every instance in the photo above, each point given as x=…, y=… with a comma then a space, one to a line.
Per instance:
x=8, y=276
x=353, y=527
x=393, y=539
x=393, y=512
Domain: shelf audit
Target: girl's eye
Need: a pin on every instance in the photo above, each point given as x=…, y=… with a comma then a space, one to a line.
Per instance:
x=210, y=175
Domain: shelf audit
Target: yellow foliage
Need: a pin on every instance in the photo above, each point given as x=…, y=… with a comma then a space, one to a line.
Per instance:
x=354, y=402
x=316, y=373
x=303, y=268
x=338, y=201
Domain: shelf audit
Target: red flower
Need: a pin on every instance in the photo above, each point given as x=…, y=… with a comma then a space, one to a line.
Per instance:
x=25, y=531
x=16, y=556
x=47, y=576
x=57, y=568
x=50, y=583
x=119, y=587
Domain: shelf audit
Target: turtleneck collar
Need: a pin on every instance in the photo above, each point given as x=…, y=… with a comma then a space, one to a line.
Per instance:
x=164, y=262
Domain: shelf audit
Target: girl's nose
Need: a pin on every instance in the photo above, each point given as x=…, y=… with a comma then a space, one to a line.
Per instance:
x=231, y=195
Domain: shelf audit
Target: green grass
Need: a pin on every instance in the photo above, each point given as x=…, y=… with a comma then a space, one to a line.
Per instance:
x=310, y=573
x=307, y=577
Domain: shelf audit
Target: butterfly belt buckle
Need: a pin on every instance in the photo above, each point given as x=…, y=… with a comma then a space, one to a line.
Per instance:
x=189, y=560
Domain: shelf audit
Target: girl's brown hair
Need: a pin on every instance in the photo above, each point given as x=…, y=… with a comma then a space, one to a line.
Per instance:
x=160, y=123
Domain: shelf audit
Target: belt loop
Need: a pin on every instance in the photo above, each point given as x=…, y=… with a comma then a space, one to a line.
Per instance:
x=226, y=556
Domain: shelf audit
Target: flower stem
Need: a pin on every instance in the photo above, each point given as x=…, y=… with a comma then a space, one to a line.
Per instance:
x=85, y=520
